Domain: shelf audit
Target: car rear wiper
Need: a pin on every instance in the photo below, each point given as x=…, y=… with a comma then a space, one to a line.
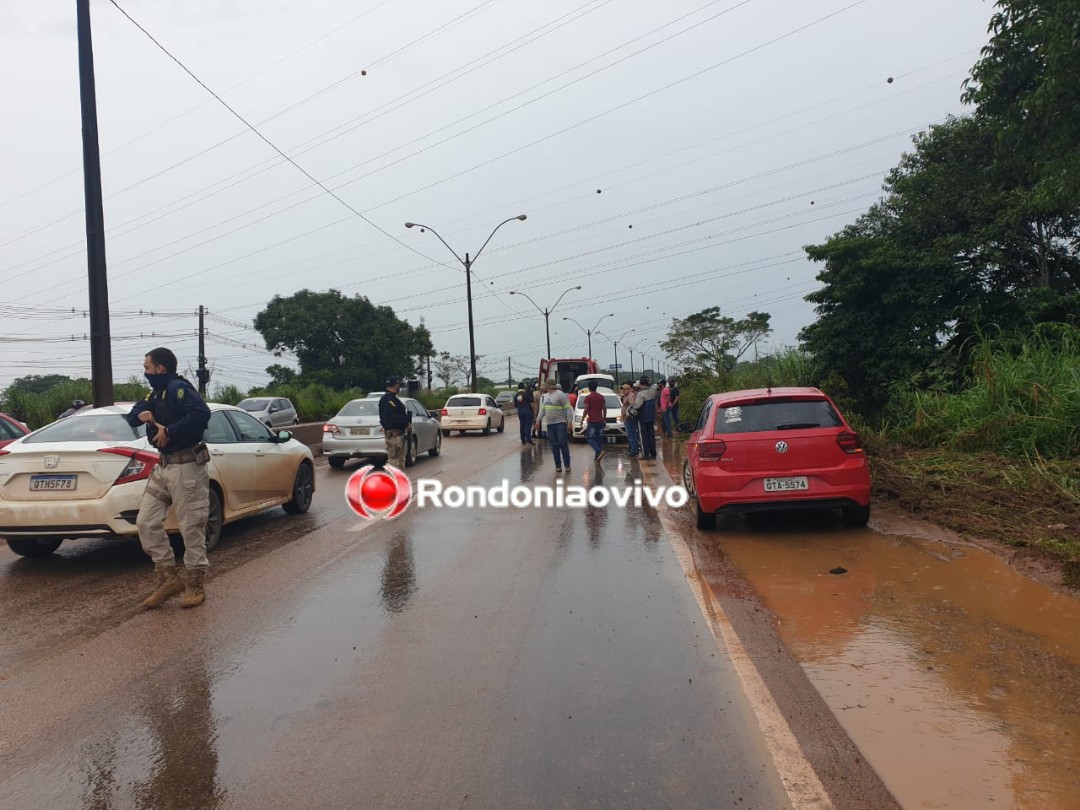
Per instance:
x=797, y=425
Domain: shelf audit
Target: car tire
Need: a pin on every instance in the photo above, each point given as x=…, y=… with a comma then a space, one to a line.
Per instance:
x=296, y=422
x=502, y=426
x=705, y=520
x=487, y=430
x=303, y=490
x=33, y=546
x=437, y=448
x=461, y=433
x=445, y=432
x=410, y=451
x=215, y=521
x=335, y=462
x=855, y=517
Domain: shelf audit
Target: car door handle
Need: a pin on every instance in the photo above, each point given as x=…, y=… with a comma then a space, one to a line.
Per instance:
x=217, y=452
x=260, y=453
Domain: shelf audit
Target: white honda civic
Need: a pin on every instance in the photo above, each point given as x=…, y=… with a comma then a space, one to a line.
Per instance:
x=84, y=477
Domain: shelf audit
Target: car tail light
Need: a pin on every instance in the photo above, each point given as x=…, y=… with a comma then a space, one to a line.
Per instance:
x=4, y=452
x=849, y=442
x=330, y=428
x=140, y=464
x=712, y=451
x=482, y=412
x=444, y=412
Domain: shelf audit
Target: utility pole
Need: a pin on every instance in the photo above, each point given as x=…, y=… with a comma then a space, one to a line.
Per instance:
x=509, y=373
x=429, y=374
x=472, y=339
x=100, y=336
x=203, y=375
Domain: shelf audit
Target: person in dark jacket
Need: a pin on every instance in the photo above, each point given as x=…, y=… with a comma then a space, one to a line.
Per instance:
x=645, y=402
x=396, y=423
x=523, y=403
x=175, y=418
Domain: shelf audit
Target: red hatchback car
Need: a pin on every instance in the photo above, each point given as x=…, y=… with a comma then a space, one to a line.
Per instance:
x=11, y=429
x=780, y=448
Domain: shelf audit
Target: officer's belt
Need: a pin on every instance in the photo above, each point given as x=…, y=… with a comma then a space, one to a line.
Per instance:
x=178, y=457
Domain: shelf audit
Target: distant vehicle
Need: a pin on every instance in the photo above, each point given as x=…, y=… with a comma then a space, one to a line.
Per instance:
x=768, y=449
x=614, y=429
x=84, y=476
x=271, y=411
x=355, y=432
x=602, y=381
x=505, y=397
x=472, y=412
x=11, y=429
x=565, y=370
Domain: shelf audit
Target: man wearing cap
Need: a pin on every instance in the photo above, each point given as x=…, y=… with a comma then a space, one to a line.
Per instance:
x=557, y=415
x=645, y=402
x=396, y=423
x=523, y=402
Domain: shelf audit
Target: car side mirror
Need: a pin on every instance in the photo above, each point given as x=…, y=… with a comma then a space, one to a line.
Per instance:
x=433, y=414
x=283, y=436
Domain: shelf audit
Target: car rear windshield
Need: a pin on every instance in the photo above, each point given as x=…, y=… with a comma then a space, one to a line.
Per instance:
x=463, y=402
x=611, y=402
x=776, y=414
x=253, y=404
x=101, y=427
x=360, y=407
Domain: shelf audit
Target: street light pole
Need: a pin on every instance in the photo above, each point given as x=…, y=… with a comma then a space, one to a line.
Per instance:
x=589, y=332
x=468, y=263
x=546, y=312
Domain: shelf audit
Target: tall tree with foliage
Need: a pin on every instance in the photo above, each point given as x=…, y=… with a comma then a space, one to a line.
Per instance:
x=343, y=342
x=713, y=342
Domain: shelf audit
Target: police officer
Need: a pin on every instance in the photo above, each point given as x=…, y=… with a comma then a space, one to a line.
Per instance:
x=396, y=422
x=175, y=418
x=523, y=402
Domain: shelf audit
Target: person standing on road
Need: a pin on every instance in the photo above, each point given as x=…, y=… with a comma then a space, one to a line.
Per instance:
x=595, y=419
x=176, y=419
x=674, y=396
x=645, y=402
x=629, y=419
x=523, y=402
x=396, y=423
x=665, y=407
x=557, y=416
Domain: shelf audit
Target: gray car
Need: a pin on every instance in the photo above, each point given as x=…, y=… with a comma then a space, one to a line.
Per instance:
x=274, y=412
x=354, y=432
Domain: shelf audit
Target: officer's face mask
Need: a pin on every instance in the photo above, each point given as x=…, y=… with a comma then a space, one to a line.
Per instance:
x=157, y=380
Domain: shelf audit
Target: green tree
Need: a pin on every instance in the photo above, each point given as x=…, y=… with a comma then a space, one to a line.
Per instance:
x=280, y=375
x=342, y=342
x=713, y=342
x=37, y=383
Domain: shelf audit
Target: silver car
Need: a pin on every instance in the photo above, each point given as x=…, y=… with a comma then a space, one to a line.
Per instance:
x=355, y=433
x=274, y=412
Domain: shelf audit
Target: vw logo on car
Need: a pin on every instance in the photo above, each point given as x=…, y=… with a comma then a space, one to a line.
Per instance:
x=781, y=447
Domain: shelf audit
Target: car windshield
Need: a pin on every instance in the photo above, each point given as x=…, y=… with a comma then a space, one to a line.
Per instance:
x=463, y=402
x=360, y=407
x=253, y=404
x=776, y=414
x=100, y=427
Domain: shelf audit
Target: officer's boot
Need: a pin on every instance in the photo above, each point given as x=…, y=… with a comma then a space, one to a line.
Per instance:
x=168, y=585
x=194, y=595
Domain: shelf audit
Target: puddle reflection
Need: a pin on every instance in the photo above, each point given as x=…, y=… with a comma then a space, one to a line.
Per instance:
x=398, y=580
x=956, y=676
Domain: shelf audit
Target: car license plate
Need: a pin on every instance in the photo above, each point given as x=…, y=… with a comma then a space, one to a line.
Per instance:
x=786, y=484
x=53, y=483
x=359, y=431
x=610, y=439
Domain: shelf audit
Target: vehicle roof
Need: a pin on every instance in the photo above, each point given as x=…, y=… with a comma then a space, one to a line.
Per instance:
x=125, y=407
x=766, y=393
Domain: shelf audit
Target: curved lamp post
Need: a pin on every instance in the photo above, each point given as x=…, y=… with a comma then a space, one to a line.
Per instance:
x=545, y=312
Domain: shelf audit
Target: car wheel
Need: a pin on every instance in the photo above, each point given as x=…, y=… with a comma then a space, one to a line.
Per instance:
x=487, y=430
x=410, y=451
x=705, y=520
x=434, y=451
x=302, y=491
x=855, y=517
x=296, y=421
x=214, y=521
x=33, y=546
x=445, y=432
x=336, y=462
x=461, y=433
x=502, y=426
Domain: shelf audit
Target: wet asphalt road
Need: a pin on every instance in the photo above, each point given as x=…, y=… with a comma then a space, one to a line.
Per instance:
x=449, y=658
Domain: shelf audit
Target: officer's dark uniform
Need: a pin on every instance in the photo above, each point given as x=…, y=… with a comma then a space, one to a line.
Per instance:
x=180, y=478
x=395, y=419
x=523, y=402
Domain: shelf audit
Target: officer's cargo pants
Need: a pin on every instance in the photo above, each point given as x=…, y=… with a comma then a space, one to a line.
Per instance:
x=187, y=486
x=395, y=448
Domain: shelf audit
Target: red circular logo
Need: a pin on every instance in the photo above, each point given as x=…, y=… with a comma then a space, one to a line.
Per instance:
x=384, y=492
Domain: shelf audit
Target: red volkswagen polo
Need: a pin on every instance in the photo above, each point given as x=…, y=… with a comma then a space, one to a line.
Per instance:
x=778, y=448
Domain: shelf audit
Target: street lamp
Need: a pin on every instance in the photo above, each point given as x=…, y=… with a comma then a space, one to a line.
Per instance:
x=545, y=312
x=589, y=332
x=468, y=263
x=632, y=350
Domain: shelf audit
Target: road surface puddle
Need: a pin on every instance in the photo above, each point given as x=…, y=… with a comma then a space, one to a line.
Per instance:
x=957, y=677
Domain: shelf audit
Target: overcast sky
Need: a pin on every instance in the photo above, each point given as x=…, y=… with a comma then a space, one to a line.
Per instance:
x=722, y=137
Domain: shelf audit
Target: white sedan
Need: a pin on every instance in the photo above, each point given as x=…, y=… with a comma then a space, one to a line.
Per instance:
x=84, y=477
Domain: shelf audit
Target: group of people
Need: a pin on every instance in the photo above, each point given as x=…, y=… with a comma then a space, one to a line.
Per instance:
x=552, y=414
